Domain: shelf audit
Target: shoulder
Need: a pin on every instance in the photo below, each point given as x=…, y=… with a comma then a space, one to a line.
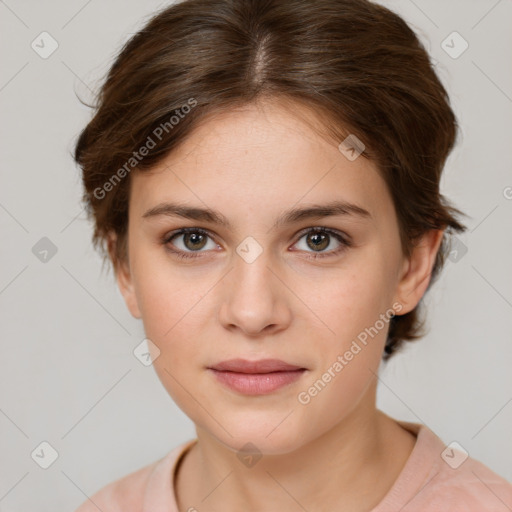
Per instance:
x=459, y=482
x=472, y=486
x=133, y=492
x=444, y=478
x=123, y=495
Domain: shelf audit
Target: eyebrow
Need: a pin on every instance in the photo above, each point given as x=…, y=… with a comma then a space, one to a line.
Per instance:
x=294, y=215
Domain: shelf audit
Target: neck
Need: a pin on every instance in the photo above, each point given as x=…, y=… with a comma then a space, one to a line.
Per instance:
x=353, y=464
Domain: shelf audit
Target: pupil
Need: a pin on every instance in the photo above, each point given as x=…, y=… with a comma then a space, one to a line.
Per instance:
x=319, y=240
x=195, y=238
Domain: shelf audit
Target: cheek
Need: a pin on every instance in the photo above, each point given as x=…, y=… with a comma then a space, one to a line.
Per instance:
x=166, y=297
x=175, y=307
x=334, y=394
x=171, y=315
x=348, y=299
x=171, y=312
x=355, y=305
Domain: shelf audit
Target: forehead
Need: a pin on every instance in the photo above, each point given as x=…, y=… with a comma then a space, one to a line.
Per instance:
x=259, y=155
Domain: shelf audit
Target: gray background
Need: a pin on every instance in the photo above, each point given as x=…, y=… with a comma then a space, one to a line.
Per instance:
x=68, y=375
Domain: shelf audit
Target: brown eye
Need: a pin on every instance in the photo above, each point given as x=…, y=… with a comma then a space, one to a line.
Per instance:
x=319, y=239
x=194, y=241
x=187, y=241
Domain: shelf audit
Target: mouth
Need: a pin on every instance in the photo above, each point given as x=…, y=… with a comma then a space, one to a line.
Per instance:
x=256, y=377
x=260, y=366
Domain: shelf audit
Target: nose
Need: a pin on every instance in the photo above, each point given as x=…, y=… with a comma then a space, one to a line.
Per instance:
x=255, y=296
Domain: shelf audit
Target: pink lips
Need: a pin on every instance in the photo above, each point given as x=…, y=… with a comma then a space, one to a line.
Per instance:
x=256, y=377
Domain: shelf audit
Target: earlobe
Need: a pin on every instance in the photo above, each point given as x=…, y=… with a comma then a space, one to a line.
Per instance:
x=417, y=270
x=124, y=279
x=125, y=284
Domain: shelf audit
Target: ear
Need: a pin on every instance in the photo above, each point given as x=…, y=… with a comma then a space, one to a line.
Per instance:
x=416, y=270
x=123, y=278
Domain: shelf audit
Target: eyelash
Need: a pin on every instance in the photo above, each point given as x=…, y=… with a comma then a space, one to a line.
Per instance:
x=345, y=242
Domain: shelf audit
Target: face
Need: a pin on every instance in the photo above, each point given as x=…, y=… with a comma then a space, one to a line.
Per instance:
x=306, y=290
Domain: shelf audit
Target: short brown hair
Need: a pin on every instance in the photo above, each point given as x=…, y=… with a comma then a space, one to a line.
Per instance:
x=354, y=63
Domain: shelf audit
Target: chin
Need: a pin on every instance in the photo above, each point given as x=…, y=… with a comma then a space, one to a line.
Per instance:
x=253, y=437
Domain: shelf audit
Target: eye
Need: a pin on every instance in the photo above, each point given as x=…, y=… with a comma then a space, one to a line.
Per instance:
x=193, y=240
x=318, y=239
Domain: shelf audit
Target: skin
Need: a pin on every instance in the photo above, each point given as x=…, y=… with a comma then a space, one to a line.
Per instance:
x=338, y=451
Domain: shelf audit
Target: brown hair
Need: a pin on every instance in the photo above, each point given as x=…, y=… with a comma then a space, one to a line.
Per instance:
x=355, y=64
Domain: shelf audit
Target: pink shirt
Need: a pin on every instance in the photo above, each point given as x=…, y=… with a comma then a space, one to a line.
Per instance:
x=428, y=482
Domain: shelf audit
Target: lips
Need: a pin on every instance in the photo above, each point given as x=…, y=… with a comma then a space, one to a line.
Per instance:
x=261, y=366
x=256, y=377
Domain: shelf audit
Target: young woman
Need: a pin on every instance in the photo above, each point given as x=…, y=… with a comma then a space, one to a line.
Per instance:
x=264, y=177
